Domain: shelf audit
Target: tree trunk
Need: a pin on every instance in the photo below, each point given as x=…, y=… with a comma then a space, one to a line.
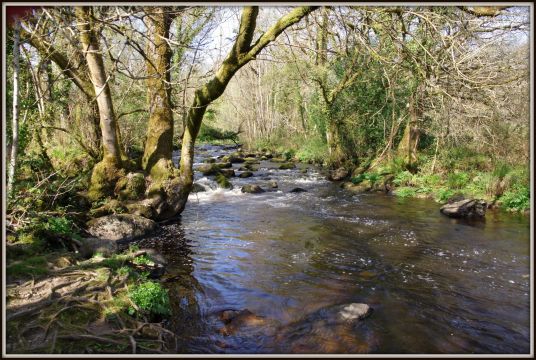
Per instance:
x=333, y=138
x=159, y=145
x=407, y=148
x=15, y=124
x=106, y=172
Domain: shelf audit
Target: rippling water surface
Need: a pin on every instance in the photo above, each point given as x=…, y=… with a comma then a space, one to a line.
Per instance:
x=436, y=285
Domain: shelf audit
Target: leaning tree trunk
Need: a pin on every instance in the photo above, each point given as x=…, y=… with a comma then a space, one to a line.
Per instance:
x=105, y=173
x=156, y=159
x=15, y=124
x=171, y=198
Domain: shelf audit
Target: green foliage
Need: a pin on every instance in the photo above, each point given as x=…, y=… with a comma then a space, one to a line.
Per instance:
x=143, y=260
x=208, y=133
x=312, y=150
x=406, y=192
x=517, y=198
x=443, y=194
x=59, y=225
x=372, y=177
x=150, y=297
x=457, y=180
x=403, y=178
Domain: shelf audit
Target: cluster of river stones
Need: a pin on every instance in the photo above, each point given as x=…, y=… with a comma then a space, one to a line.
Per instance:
x=221, y=169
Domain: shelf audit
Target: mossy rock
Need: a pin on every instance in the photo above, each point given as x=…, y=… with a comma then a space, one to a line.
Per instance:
x=279, y=160
x=140, y=210
x=227, y=172
x=209, y=161
x=246, y=174
x=224, y=165
x=130, y=187
x=103, y=179
x=223, y=182
x=252, y=189
x=287, y=166
x=236, y=158
x=208, y=169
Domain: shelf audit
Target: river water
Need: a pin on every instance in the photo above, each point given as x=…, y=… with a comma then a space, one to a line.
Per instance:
x=436, y=285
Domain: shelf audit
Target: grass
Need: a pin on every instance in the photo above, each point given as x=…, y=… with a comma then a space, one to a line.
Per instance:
x=33, y=266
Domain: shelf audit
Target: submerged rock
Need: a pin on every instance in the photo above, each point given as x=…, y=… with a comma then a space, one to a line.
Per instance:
x=297, y=190
x=337, y=175
x=119, y=227
x=252, y=189
x=237, y=320
x=469, y=208
x=354, y=311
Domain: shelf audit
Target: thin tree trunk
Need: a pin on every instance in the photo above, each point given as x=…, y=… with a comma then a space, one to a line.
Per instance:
x=15, y=124
x=108, y=171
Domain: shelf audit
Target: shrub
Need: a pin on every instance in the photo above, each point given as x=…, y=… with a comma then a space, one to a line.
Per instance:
x=457, y=180
x=403, y=178
x=444, y=194
x=150, y=297
x=405, y=192
x=516, y=199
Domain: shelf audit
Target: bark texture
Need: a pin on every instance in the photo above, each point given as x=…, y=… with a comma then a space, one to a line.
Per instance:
x=15, y=124
x=156, y=159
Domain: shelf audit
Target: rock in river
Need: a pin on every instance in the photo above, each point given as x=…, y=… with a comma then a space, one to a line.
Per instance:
x=119, y=227
x=245, y=174
x=339, y=174
x=252, y=189
x=469, y=208
x=297, y=190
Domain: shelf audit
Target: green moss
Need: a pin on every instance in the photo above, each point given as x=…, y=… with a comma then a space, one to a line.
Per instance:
x=223, y=182
x=103, y=179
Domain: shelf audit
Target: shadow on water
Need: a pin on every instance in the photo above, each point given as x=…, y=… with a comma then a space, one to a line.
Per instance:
x=436, y=285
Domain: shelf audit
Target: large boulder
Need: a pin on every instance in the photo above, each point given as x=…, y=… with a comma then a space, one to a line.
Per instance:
x=468, y=208
x=252, y=189
x=337, y=175
x=118, y=227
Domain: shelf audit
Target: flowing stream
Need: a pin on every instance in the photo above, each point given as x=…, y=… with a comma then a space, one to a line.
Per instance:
x=436, y=285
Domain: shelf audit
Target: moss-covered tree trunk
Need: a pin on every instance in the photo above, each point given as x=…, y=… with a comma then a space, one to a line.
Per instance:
x=109, y=169
x=407, y=148
x=156, y=159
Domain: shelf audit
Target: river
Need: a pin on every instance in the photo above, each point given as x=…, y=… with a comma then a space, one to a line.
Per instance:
x=435, y=284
